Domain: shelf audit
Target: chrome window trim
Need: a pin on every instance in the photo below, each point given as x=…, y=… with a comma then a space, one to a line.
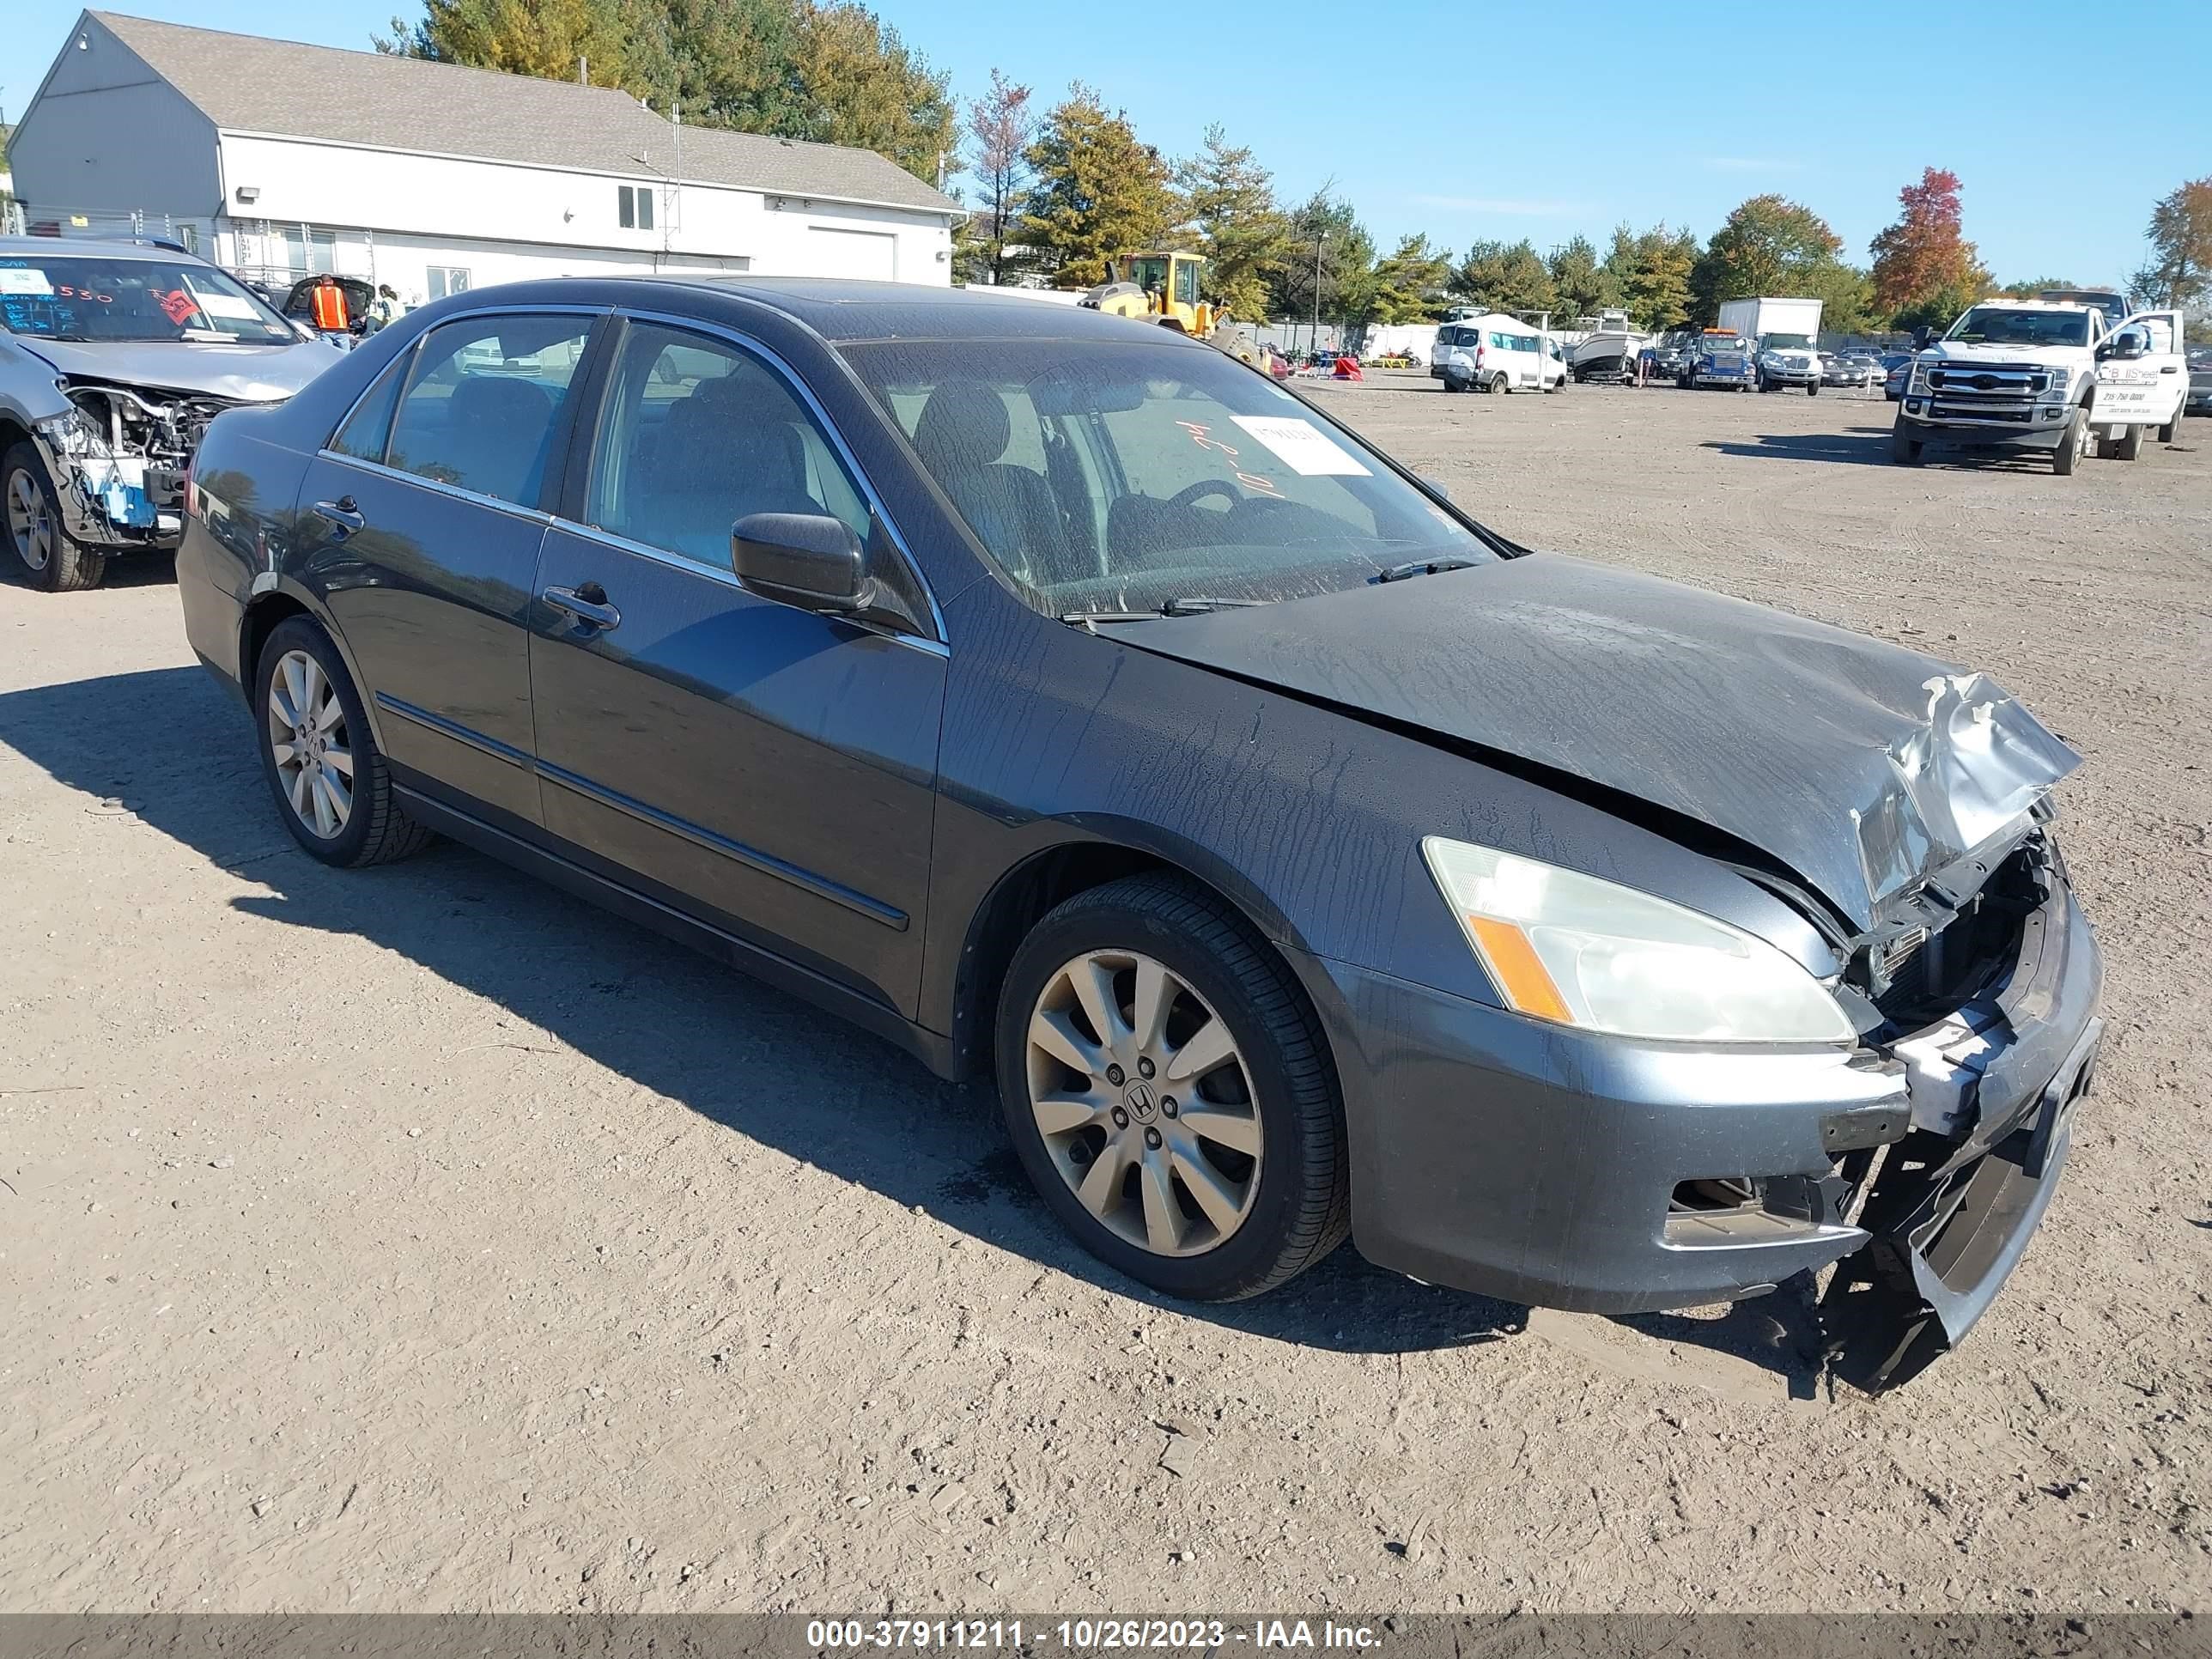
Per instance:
x=532, y=514
x=796, y=383
x=729, y=578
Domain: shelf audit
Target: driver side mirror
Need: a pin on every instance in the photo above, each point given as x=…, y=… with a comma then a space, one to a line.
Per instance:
x=1921, y=335
x=809, y=560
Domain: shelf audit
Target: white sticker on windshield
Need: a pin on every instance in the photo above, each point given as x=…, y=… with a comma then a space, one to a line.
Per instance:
x=226, y=305
x=21, y=280
x=1302, y=446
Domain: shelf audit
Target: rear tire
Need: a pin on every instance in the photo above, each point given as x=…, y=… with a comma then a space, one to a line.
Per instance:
x=333, y=788
x=2172, y=430
x=31, y=513
x=1287, y=1201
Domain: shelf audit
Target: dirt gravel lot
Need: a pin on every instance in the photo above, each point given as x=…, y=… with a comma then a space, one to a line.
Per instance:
x=419, y=1239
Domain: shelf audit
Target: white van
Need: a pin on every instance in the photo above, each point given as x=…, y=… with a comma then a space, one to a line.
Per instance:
x=1494, y=353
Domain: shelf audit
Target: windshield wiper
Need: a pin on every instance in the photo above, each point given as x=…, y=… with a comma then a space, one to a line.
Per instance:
x=1191, y=606
x=1398, y=573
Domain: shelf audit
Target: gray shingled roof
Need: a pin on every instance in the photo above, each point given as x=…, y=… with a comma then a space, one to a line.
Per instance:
x=244, y=83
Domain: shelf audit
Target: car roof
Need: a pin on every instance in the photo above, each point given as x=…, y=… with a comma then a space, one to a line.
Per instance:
x=63, y=246
x=841, y=309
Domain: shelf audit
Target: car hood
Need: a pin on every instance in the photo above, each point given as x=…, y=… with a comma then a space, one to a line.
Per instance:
x=243, y=374
x=1859, y=766
x=1957, y=351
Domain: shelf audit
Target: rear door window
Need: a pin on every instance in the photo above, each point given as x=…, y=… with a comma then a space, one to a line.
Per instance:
x=485, y=402
x=698, y=434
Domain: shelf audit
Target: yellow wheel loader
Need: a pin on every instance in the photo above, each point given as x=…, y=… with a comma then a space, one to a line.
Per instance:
x=1161, y=286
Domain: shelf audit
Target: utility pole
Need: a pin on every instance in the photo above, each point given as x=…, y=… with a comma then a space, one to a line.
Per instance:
x=583, y=72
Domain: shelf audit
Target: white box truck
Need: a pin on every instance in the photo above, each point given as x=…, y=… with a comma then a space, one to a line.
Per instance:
x=1785, y=335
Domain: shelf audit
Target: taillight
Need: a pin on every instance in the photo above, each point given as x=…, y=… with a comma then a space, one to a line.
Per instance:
x=192, y=491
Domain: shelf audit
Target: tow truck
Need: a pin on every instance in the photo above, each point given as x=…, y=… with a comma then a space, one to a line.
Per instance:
x=1720, y=356
x=2047, y=376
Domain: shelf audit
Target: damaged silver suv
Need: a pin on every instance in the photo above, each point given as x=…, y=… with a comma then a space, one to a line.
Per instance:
x=114, y=359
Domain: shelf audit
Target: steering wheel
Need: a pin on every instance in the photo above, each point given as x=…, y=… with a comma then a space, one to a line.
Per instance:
x=1205, y=486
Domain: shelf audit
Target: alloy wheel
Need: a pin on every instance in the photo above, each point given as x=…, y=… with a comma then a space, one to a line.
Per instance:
x=32, y=525
x=1144, y=1103
x=308, y=738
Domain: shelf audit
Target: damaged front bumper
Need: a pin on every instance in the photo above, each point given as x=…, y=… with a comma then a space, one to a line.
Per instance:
x=118, y=459
x=1559, y=1169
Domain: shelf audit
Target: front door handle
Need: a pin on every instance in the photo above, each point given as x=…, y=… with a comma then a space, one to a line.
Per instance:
x=344, y=517
x=586, y=603
x=2169, y=368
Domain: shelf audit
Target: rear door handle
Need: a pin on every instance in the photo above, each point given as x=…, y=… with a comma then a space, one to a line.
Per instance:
x=586, y=603
x=344, y=517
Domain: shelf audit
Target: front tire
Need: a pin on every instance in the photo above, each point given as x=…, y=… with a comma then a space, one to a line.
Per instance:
x=1168, y=1091
x=32, y=513
x=333, y=788
x=1903, y=448
x=2068, y=455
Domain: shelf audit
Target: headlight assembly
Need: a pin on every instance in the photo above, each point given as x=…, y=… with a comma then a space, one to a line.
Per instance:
x=1592, y=954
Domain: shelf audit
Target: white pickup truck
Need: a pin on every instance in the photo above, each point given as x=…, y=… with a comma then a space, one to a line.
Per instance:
x=2033, y=375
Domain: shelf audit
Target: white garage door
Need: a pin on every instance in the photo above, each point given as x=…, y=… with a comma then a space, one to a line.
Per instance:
x=870, y=253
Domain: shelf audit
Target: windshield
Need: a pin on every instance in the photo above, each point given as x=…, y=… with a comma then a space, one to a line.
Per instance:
x=1721, y=343
x=2003, y=325
x=67, y=296
x=1127, y=476
x=1149, y=274
x=1789, y=342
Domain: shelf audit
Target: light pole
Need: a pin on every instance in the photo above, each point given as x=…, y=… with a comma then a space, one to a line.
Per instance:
x=1313, y=344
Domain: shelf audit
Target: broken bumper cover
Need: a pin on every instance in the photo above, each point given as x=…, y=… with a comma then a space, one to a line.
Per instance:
x=117, y=505
x=1506, y=1157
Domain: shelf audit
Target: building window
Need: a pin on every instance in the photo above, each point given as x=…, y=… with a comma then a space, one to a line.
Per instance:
x=446, y=279
x=635, y=206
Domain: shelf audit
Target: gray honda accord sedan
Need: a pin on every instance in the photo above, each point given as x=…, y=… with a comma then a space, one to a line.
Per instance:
x=1063, y=701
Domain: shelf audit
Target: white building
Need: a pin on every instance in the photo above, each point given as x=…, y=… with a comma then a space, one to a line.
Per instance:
x=279, y=160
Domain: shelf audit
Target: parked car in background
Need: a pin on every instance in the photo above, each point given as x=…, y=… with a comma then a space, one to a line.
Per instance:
x=114, y=359
x=2200, y=380
x=1900, y=373
x=765, y=612
x=1860, y=369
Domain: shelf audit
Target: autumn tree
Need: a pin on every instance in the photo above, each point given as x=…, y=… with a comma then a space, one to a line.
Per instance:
x=2179, y=269
x=1001, y=127
x=1230, y=200
x=1650, y=269
x=832, y=72
x=1584, y=286
x=865, y=87
x=1099, y=191
x=549, y=38
x=1410, y=282
x=1922, y=255
x=1505, y=277
x=1766, y=247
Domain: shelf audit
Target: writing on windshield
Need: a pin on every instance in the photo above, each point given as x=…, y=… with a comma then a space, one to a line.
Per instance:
x=85, y=297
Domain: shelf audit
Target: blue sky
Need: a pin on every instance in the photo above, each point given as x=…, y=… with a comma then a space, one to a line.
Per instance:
x=1628, y=111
